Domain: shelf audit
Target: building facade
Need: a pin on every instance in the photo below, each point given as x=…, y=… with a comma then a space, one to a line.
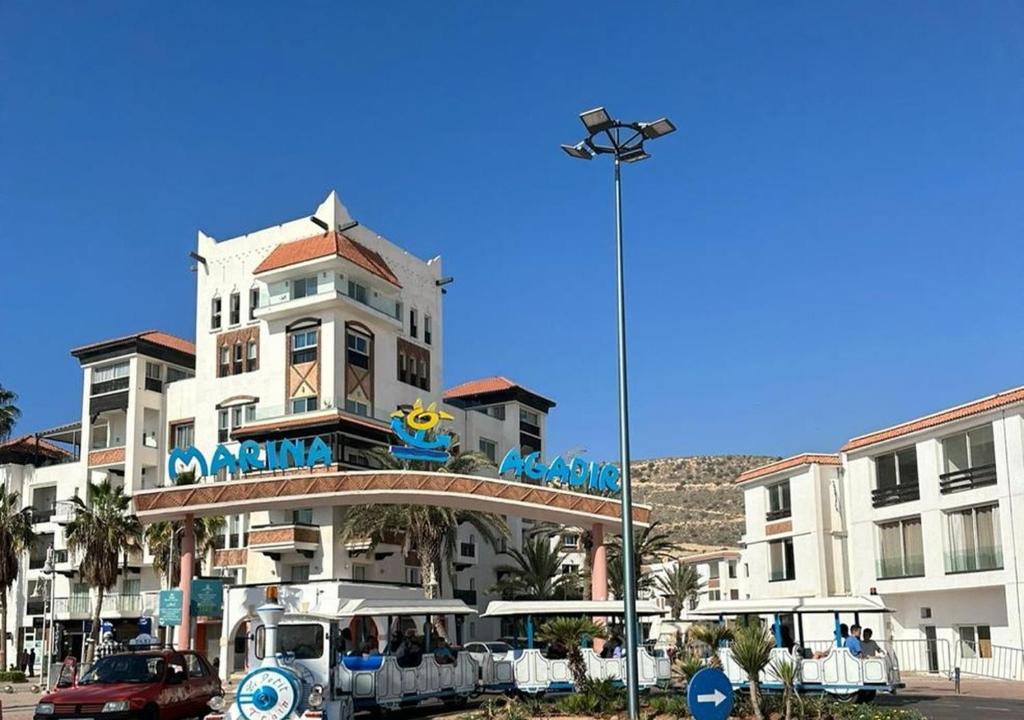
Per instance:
x=925, y=514
x=314, y=328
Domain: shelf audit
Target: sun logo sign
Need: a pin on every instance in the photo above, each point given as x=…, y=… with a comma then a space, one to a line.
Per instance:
x=415, y=428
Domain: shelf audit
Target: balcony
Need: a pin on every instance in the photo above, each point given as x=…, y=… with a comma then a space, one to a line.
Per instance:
x=42, y=514
x=108, y=456
x=895, y=494
x=35, y=606
x=977, y=560
x=230, y=557
x=109, y=386
x=279, y=304
x=465, y=555
x=277, y=540
x=899, y=567
x=968, y=479
x=125, y=605
x=76, y=607
x=780, y=514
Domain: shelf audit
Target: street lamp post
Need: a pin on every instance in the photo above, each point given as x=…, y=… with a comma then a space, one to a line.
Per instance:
x=624, y=141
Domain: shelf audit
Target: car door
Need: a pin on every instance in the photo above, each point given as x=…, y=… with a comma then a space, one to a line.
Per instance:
x=201, y=680
x=179, y=701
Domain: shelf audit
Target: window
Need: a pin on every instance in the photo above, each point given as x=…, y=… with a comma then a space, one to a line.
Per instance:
x=303, y=287
x=714, y=595
x=224, y=364
x=570, y=541
x=357, y=292
x=358, y=349
x=250, y=412
x=780, y=555
x=570, y=569
x=303, y=516
x=494, y=411
x=174, y=374
x=223, y=428
x=529, y=417
x=154, y=371
x=732, y=570
x=236, y=366
x=110, y=378
x=896, y=478
x=973, y=540
x=359, y=572
x=424, y=375
x=299, y=573
x=254, y=302
x=306, y=404
x=900, y=549
x=489, y=448
x=413, y=322
x=969, y=460
x=357, y=408
x=402, y=372
x=252, y=356
x=428, y=329
x=734, y=594
x=215, y=314
x=975, y=641
x=195, y=666
x=184, y=435
x=778, y=501
x=305, y=641
x=235, y=308
x=304, y=347
x=412, y=575
x=713, y=571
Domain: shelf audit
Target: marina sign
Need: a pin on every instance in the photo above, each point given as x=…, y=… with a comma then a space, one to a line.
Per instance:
x=416, y=428
x=252, y=456
x=577, y=473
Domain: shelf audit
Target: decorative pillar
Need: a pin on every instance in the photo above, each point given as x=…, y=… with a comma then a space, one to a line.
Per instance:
x=598, y=574
x=598, y=564
x=188, y=551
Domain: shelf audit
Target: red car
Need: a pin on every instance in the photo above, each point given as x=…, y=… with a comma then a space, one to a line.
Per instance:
x=148, y=685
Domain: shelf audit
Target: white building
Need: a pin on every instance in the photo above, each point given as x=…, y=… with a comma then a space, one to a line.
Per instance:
x=925, y=514
x=315, y=327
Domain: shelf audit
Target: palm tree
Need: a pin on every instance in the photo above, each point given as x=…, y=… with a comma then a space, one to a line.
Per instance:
x=158, y=537
x=680, y=585
x=16, y=537
x=536, y=573
x=430, y=530
x=787, y=673
x=568, y=632
x=100, y=531
x=711, y=634
x=9, y=413
x=751, y=649
x=650, y=544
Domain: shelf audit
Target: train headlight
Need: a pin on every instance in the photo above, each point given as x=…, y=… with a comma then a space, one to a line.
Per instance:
x=216, y=702
x=316, y=697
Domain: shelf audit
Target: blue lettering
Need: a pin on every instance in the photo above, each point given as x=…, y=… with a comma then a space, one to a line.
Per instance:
x=186, y=457
x=292, y=453
x=577, y=472
x=594, y=476
x=318, y=452
x=249, y=456
x=559, y=471
x=513, y=462
x=273, y=462
x=222, y=458
x=610, y=478
x=532, y=466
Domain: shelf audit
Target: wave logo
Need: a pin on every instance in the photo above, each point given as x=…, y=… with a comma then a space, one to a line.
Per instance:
x=415, y=428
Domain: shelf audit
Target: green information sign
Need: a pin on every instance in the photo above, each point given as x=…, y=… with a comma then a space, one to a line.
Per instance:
x=170, y=607
x=207, y=598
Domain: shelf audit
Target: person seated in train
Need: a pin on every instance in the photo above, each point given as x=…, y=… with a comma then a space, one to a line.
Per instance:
x=371, y=647
x=557, y=651
x=868, y=647
x=395, y=642
x=410, y=653
x=345, y=644
x=853, y=641
x=612, y=648
x=844, y=633
x=442, y=653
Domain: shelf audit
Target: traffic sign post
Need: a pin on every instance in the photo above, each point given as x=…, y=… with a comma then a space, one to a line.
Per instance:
x=709, y=695
x=170, y=607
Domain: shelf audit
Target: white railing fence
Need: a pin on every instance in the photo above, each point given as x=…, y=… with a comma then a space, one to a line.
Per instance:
x=993, y=661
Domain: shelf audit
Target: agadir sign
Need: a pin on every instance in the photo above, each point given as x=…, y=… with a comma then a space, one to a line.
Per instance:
x=577, y=473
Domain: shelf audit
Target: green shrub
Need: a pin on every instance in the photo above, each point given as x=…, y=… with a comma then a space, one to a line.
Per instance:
x=600, y=698
x=12, y=676
x=673, y=705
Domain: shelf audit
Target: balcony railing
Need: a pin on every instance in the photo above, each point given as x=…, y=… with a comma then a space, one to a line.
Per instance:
x=74, y=606
x=781, y=575
x=35, y=606
x=899, y=567
x=42, y=514
x=779, y=514
x=466, y=596
x=895, y=494
x=968, y=479
x=961, y=561
x=109, y=386
x=383, y=305
x=124, y=604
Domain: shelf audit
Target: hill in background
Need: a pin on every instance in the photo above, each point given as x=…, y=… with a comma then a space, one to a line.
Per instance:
x=696, y=498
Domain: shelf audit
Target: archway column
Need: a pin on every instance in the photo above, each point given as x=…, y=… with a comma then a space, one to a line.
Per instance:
x=188, y=551
x=598, y=573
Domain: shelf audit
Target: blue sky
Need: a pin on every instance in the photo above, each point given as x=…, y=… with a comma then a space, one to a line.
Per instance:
x=830, y=244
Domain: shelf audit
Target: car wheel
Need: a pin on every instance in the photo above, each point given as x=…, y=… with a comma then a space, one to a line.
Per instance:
x=150, y=712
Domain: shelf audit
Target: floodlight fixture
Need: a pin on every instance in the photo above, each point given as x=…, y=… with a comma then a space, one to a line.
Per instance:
x=596, y=120
x=658, y=128
x=579, y=151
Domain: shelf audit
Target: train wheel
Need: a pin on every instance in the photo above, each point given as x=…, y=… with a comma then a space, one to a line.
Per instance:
x=865, y=696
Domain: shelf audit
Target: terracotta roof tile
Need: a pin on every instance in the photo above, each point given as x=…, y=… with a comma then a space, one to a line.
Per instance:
x=788, y=463
x=991, y=402
x=328, y=244
x=27, y=443
x=479, y=386
x=154, y=336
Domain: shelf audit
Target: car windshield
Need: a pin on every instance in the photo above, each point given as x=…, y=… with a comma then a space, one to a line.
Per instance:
x=125, y=669
x=499, y=647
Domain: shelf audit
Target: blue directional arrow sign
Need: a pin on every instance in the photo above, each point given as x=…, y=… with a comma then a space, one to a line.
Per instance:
x=709, y=695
